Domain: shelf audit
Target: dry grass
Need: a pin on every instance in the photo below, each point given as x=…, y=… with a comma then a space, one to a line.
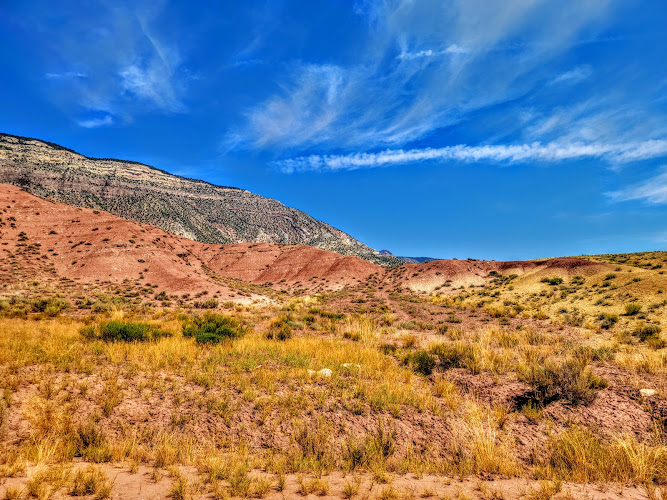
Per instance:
x=389, y=404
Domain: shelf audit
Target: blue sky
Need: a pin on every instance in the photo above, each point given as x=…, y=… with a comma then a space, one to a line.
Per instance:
x=452, y=128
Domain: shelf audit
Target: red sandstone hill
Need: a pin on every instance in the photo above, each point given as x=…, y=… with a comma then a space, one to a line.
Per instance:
x=44, y=240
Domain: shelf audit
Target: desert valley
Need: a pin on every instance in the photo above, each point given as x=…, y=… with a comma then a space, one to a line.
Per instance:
x=139, y=363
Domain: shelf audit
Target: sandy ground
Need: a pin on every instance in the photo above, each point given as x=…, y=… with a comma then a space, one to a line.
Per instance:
x=141, y=485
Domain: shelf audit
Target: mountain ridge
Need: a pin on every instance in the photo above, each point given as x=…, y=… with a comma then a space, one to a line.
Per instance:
x=191, y=208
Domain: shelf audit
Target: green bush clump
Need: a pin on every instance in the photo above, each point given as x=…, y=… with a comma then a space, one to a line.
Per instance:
x=51, y=306
x=213, y=328
x=572, y=381
x=281, y=328
x=211, y=303
x=456, y=355
x=632, y=308
x=646, y=331
x=552, y=281
x=123, y=331
x=608, y=320
x=326, y=314
x=421, y=362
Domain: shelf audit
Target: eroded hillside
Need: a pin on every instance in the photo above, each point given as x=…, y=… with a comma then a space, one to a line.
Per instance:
x=186, y=207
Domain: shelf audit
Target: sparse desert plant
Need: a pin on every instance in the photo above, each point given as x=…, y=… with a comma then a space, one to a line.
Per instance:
x=260, y=486
x=91, y=442
x=607, y=320
x=179, y=488
x=572, y=380
x=14, y=493
x=371, y=449
x=211, y=303
x=90, y=481
x=646, y=331
x=456, y=355
x=350, y=489
x=315, y=486
x=632, y=309
x=312, y=442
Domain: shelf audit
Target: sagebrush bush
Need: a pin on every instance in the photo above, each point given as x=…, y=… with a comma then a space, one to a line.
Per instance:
x=456, y=355
x=646, y=331
x=50, y=306
x=280, y=328
x=124, y=331
x=421, y=362
x=572, y=381
x=608, y=320
x=632, y=308
x=213, y=328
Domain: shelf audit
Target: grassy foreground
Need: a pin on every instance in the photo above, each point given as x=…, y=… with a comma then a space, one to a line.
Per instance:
x=296, y=391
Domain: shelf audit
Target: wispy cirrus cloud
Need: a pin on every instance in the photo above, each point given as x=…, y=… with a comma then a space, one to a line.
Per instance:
x=125, y=66
x=652, y=190
x=428, y=65
x=575, y=75
x=552, y=152
x=66, y=74
x=96, y=122
x=452, y=49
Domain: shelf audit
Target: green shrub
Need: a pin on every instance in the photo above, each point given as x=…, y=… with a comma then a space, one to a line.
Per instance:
x=281, y=328
x=632, y=308
x=213, y=328
x=646, y=331
x=552, y=281
x=607, y=320
x=457, y=355
x=50, y=307
x=572, y=381
x=326, y=314
x=421, y=362
x=126, y=331
x=206, y=304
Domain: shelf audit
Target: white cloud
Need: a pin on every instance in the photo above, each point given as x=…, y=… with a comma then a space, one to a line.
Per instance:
x=575, y=75
x=66, y=74
x=551, y=152
x=404, y=86
x=125, y=64
x=452, y=49
x=652, y=190
x=96, y=122
x=151, y=83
